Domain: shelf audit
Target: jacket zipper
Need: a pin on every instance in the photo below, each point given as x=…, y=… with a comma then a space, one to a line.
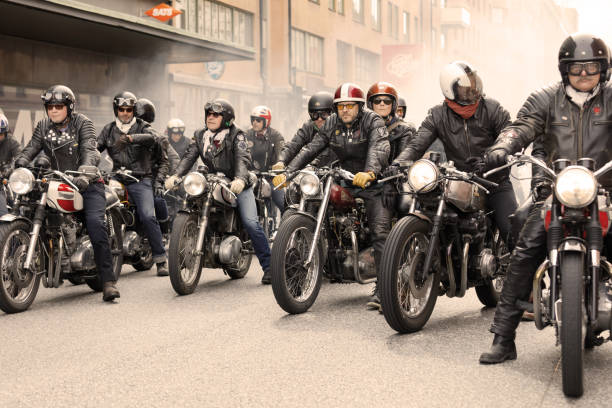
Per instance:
x=580, y=133
x=467, y=140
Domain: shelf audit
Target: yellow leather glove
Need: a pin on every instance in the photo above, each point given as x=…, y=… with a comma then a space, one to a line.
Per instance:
x=278, y=166
x=280, y=179
x=171, y=182
x=362, y=178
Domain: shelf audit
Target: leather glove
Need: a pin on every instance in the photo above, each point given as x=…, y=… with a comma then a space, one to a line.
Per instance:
x=122, y=142
x=476, y=164
x=82, y=182
x=495, y=158
x=278, y=166
x=363, y=178
x=21, y=162
x=542, y=191
x=280, y=179
x=389, y=197
x=158, y=191
x=237, y=185
x=171, y=182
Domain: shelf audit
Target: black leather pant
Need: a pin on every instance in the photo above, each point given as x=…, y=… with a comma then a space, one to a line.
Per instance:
x=502, y=202
x=529, y=252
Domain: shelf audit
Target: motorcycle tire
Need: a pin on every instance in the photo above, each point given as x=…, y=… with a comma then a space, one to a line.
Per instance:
x=295, y=299
x=116, y=247
x=183, y=239
x=391, y=279
x=9, y=259
x=570, y=333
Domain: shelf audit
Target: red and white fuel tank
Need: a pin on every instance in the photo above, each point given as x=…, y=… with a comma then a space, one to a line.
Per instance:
x=64, y=198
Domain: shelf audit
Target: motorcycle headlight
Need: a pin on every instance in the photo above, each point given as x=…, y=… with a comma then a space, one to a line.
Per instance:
x=194, y=184
x=21, y=181
x=423, y=176
x=576, y=187
x=309, y=184
x=118, y=188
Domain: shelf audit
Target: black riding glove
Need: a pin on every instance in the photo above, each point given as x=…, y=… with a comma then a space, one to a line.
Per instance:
x=21, y=162
x=122, y=142
x=158, y=191
x=495, y=158
x=82, y=182
x=476, y=164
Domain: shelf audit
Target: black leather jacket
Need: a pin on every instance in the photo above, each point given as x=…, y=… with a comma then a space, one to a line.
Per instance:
x=181, y=146
x=400, y=134
x=302, y=137
x=264, y=150
x=462, y=138
x=363, y=147
x=559, y=128
x=9, y=150
x=68, y=149
x=231, y=157
x=140, y=155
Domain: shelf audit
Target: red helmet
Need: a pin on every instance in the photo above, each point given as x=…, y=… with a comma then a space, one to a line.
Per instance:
x=348, y=92
x=382, y=88
x=263, y=112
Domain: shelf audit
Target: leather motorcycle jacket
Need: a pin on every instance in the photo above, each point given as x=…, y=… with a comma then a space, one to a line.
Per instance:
x=559, y=128
x=302, y=137
x=265, y=149
x=164, y=153
x=462, y=138
x=231, y=157
x=139, y=156
x=181, y=146
x=67, y=147
x=400, y=133
x=362, y=147
x=9, y=150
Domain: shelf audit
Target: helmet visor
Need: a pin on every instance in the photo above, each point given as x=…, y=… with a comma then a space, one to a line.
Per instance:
x=468, y=94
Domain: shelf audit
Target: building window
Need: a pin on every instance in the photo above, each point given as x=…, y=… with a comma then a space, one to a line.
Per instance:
x=358, y=11
x=367, y=66
x=340, y=7
x=307, y=52
x=344, y=61
x=406, y=27
x=376, y=10
x=389, y=19
x=395, y=22
x=332, y=5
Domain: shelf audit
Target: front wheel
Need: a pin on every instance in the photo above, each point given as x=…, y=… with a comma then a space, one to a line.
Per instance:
x=408, y=296
x=295, y=286
x=184, y=264
x=18, y=287
x=572, y=328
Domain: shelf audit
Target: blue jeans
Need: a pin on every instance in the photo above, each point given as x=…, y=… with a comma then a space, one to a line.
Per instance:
x=141, y=194
x=94, y=207
x=3, y=207
x=250, y=221
x=278, y=198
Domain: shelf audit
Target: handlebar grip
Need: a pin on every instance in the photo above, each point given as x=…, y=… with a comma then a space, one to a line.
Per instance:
x=486, y=183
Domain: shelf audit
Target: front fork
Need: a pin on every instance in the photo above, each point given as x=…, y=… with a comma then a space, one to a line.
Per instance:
x=434, y=237
x=39, y=217
x=320, y=215
x=199, y=250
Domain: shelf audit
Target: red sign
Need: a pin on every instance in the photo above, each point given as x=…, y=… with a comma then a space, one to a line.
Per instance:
x=162, y=12
x=401, y=64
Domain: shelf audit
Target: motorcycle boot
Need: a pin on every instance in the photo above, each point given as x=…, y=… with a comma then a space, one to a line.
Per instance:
x=266, y=279
x=502, y=349
x=162, y=269
x=110, y=291
x=374, y=302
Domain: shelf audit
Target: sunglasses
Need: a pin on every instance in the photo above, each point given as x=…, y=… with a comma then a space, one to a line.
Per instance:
x=257, y=119
x=347, y=106
x=55, y=107
x=128, y=110
x=319, y=115
x=378, y=101
x=591, y=68
x=213, y=114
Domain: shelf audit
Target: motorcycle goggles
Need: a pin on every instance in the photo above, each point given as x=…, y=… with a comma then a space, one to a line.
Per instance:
x=591, y=68
x=49, y=97
x=214, y=107
x=319, y=115
x=125, y=101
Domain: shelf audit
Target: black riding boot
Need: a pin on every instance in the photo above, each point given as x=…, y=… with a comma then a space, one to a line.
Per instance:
x=502, y=349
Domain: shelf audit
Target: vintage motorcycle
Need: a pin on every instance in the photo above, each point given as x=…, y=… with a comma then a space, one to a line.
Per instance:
x=262, y=189
x=44, y=236
x=334, y=243
x=207, y=232
x=572, y=288
x=443, y=245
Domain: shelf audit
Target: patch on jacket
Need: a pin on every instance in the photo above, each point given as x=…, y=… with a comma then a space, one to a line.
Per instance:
x=597, y=110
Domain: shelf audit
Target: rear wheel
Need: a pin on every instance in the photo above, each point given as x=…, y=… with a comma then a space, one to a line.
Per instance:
x=184, y=265
x=295, y=286
x=572, y=331
x=18, y=287
x=408, y=296
x=113, y=226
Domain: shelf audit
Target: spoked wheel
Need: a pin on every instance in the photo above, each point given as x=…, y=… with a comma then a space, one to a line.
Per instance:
x=489, y=293
x=242, y=268
x=573, y=330
x=115, y=238
x=408, y=296
x=295, y=286
x=18, y=287
x=184, y=265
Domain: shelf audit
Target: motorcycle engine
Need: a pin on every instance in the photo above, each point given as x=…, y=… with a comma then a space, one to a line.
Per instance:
x=229, y=250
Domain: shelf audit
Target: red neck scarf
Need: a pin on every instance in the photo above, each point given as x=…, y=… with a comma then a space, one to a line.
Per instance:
x=465, y=111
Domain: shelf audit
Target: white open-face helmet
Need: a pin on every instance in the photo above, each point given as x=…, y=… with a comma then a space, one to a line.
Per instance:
x=460, y=83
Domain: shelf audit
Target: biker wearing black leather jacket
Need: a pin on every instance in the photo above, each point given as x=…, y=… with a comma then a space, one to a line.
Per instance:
x=562, y=123
x=302, y=137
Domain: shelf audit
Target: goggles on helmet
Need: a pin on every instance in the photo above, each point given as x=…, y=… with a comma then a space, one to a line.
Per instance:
x=319, y=115
x=47, y=97
x=215, y=107
x=591, y=68
x=125, y=101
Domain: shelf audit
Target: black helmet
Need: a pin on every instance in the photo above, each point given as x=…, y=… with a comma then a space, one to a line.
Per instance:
x=321, y=101
x=583, y=47
x=4, y=124
x=124, y=98
x=59, y=95
x=221, y=106
x=145, y=110
x=401, y=103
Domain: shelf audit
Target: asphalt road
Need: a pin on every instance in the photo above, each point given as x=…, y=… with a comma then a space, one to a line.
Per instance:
x=229, y=344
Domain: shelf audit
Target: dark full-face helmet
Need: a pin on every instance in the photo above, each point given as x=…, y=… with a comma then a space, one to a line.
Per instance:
x=223, y=107
x=460, y=83
x=584, y=51
x=145, y=110
x=59, y=95
x=124, y=99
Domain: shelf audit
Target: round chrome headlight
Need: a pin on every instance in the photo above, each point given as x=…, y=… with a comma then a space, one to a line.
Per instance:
x=423, y=176
x=21, y=181
x=309, y=184
x=194, y=184
x=576, y=187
